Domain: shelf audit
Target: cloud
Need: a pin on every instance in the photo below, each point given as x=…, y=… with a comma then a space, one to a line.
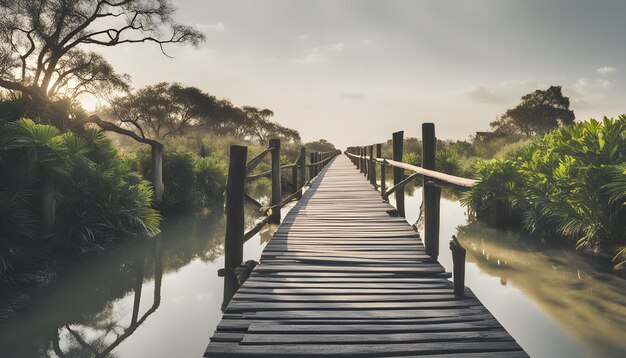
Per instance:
x=312, y=58
x=319, y=54
x=336, y=46
x=303, y=37
x=591, y=86
x=481, y=93
x=590, y=92
x=506, y=92
x=217, y=27
x=605, y=70
x=353, y=95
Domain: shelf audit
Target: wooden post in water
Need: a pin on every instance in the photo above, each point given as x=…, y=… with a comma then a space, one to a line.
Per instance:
x=302, y=164
x=235, y=188
x=371, y=169
x=317, y=166
x=458, y=266
x=311, y=167
x=383, y=187
x=294, y=177
x=431, y=192
x=398, y=173
x=276, y=182
x=157, y=171
x=363, y=161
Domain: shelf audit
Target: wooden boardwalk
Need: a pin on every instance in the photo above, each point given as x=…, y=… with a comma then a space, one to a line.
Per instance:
x=342, y=276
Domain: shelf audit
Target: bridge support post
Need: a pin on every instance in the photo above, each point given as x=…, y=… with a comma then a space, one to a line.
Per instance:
x=383, y=187
x=235, y=187
x=458, y=266
x=276, y=181
x=398, y=173
x=294, y=178
x=371, y=172
x=302, y=169
x=431, y=192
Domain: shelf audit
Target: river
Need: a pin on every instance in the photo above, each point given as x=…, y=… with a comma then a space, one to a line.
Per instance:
x=163, y=298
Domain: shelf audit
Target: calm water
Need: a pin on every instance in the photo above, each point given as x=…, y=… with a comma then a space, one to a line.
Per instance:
x=163, y=298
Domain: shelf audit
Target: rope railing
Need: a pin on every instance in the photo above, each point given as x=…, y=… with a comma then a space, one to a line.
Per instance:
x=239, y=172
x=366, y=161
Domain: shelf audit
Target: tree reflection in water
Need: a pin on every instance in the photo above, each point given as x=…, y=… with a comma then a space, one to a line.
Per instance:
x=578, y=291
x=93, y=339
x=82, y=313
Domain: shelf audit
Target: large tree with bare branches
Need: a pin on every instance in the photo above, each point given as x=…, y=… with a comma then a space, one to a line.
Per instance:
x=42, y=52
x=44, y=55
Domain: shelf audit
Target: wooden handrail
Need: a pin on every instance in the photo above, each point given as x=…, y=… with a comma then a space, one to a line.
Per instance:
x=239, y=172
x=256, y=160
x=401, y=184
x=268, y=173
x=323, y=161
x=431, y=174
x=363, y=158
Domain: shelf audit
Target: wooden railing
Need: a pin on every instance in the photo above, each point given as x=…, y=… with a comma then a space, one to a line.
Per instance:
x=240, y=172
x=366, y=161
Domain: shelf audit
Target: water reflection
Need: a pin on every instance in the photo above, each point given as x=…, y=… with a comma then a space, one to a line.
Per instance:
x=104, y=332
x=577, y=291
x=103, y=299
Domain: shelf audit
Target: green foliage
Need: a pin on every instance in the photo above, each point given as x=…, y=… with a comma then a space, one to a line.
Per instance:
x=189, y=180
x=321, y=145
x=448, y=161
x=569, y=185
x=210, y=179
x=412, y=158
x=98, y=197
x=538, y=113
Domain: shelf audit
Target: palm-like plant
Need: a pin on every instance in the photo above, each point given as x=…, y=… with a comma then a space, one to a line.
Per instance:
x=571, y=184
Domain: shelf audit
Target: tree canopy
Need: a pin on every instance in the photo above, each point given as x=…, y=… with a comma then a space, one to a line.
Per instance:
x=43, y=51
x=321, y=145
x=169, y=109
x=538, y=113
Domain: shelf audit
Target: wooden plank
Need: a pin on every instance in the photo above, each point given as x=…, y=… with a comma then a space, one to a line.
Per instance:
x=343, y=276
x=356, y=350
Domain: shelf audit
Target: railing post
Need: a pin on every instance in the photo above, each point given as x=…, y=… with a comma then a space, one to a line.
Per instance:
x=431, y=192
x=311, y=167
x=302, y=164
x=363, y=162
x=383, y=187
x=398, y=173
x=276, y=181
x=235, y=188
x=458, y=266
x=371, y=173
x=294, y=177
x=317, y=166
x=357, y=161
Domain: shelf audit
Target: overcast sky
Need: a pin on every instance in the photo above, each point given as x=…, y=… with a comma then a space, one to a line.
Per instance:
x=355, y=71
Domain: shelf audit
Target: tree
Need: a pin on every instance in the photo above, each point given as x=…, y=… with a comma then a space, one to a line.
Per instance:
x=161, y=110
x=321, y=145
x=261, y=128
x=43, y=55
x=538, y=113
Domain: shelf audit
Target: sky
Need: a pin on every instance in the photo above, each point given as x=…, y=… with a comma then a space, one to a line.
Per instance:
x=353, y=72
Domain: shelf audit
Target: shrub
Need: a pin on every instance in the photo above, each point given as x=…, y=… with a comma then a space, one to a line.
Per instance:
x=98, y=197
x=570, y=184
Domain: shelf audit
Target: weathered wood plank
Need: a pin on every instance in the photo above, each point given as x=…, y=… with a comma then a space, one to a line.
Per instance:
x=343, y=275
